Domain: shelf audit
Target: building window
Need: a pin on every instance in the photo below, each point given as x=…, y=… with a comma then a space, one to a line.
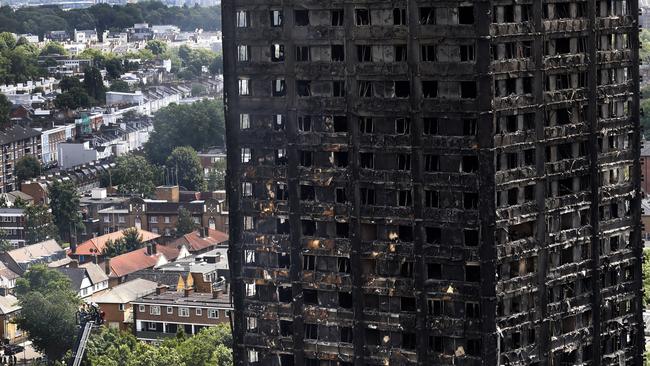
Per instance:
x=247, y=189
x=107, y=218
x=121, y=219
x=253, y=356
x=170, y=310
x=199, y=311
x=121, y=307
x=184, y=312
x=301, y=18
x=167, y=219
x=242, y=19
x=243, y=53
x=337, y=17
x=213, y=313
x=245, y=155
x=276, y=18
x=151, y=325
x=153, y=219
x=141, y=308
x=244, y=121
x=154, y=310
x=244, y=87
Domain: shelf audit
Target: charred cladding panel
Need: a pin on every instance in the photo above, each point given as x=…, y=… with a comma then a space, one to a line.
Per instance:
x=421, y=183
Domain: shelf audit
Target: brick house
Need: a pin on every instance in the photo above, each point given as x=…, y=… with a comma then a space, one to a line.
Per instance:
x=116, y=302
x=162, y=315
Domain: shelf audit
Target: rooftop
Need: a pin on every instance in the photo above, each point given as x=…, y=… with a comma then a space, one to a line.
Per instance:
x=16, y=133
x=198, y=240
x=126, y=292
x=136, y=260
x=96, y=246
x=193, y=299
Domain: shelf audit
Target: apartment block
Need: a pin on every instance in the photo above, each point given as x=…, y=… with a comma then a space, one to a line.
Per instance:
x=434, y=183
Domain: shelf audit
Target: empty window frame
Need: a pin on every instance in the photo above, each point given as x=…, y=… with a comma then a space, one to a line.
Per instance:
x=303, y=88
x=301, y=17
x=467, y=52
x=366, y=125
x=399, y=16
x=338, y=52
x=362, y=17
x=428, y=53
x=364, y=53
x=427, y=15
x=302, y=54
x=365, y=88
x=404, y=198
x=304, y=124
x=402, y=126
x=337, y=17
x=466, y=15
x=429, y=88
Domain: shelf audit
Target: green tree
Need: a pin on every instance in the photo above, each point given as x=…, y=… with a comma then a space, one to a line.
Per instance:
x=68, y=83
x=211, y=346
x=27, y=167
x=94, y=84
x=48, y=310
x=120, y=86
x=73, y=99
x=157, y=47
x=185, y=224
x=134, y=175
x=216, y=66
x=53, y=48
x=185, y=162
x=217, y=176
x=131, y=240
x=39, y=224
x=5, y=110
x=171, y=124
x=64, y=202
x=198, y=90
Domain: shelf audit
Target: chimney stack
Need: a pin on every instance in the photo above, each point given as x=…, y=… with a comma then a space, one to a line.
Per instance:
x=74, y=264
x=188, y=291
x=161, y=289
x=107, y=266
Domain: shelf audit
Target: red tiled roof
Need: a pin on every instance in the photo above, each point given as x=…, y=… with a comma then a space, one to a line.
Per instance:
x=97, y=245
x=195, y=242
x=136, y=260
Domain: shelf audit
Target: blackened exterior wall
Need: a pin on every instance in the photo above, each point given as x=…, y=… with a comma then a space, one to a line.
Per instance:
x=417, y=183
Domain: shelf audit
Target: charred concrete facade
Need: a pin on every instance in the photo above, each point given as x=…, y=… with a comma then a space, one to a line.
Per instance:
x=434, y=183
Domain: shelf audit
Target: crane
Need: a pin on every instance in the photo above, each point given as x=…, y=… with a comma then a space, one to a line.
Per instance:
x=88, y=318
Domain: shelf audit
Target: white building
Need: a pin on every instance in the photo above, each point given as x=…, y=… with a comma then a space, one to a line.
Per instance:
x=119, y=98
x=73, y=154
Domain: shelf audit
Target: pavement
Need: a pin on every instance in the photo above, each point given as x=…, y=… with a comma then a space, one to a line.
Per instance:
x=28, y=356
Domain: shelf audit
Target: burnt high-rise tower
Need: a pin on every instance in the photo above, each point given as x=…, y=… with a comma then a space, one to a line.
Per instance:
x=434, y=182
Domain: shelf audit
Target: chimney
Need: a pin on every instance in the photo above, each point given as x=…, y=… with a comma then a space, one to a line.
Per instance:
x=107, y=266
x=188, y=291
x=161, y=289
x=205, y=232
x=151, y=248
x=216, y=293
x=74, y=264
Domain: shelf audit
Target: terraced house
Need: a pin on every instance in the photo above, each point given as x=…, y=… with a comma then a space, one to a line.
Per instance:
x=434, y=183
